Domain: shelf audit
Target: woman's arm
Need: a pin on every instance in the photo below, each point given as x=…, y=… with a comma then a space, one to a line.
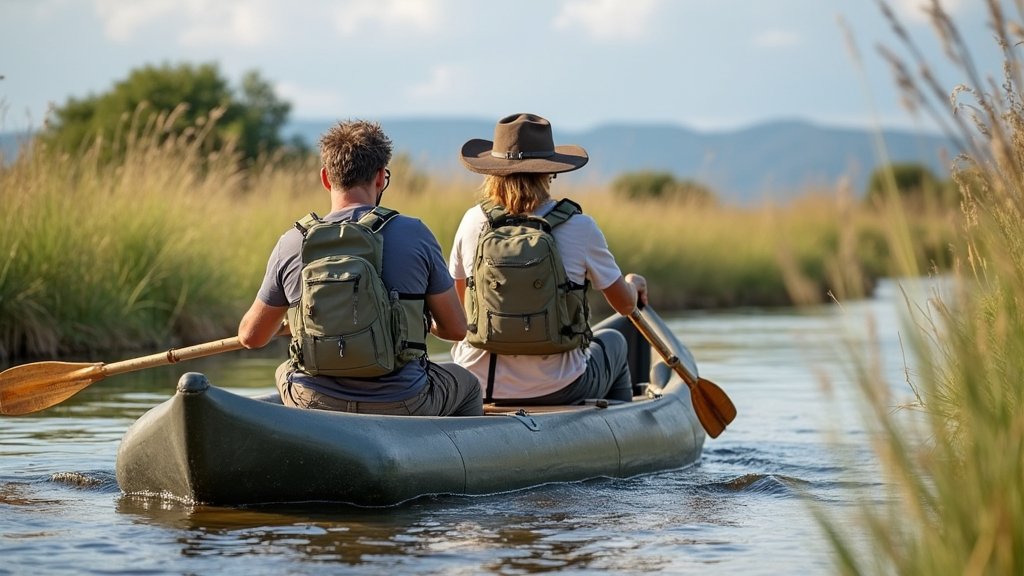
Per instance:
x=626, y=292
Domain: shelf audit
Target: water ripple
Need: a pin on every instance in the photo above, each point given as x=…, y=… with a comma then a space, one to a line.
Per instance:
x=100, y=481
x=766, y=484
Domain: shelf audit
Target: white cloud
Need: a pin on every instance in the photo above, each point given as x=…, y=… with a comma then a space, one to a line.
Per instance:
x=123, y=20
x=915, y=9
x=414, y=15
x=228, y=22
x=445, y=81
x=199, y=23
x=776, y=39
x=608, y=19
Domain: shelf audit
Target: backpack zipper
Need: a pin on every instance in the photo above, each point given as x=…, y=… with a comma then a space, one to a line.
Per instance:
x=355, y=301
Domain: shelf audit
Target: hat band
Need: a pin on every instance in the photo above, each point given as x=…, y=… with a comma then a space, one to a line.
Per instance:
x=522, y=155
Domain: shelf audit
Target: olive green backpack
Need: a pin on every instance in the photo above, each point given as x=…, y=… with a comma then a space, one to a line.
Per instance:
x=518, y=298
x=347, y=322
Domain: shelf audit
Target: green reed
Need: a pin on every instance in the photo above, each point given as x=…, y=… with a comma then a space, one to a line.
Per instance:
x=99, y=256
x=700, y=256
x=169, y=245
x=954, y=459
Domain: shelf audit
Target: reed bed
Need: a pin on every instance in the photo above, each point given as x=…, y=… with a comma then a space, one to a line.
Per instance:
x=954, y=458
x=168, y=245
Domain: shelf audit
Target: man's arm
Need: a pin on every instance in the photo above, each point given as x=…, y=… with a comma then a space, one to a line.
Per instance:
x=260, y=324
x=448, y=318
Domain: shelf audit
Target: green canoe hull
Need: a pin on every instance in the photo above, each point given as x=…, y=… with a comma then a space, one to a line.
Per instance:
x=208, y=445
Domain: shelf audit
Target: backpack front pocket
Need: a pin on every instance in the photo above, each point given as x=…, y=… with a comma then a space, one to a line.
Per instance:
x=347, y=319
x=517, y=328
x=332, y=303
x=363, y=354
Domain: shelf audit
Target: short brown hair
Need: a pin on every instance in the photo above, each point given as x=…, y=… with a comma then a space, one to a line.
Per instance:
x=353, y=152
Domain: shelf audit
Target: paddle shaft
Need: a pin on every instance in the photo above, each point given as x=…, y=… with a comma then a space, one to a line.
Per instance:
x=661, y=348
x=712, y=405
x=173, y=356
x=32, y=387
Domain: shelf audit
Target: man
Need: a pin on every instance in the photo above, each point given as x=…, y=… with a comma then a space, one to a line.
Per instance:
x=355, y=155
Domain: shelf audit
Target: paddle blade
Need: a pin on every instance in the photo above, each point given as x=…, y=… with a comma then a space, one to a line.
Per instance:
x=713, y=407
x=34, y=387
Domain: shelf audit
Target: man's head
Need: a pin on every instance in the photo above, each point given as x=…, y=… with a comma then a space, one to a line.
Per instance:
x=354, y=152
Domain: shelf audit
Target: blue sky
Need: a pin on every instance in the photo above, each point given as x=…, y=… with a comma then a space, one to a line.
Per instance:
x=707, y=64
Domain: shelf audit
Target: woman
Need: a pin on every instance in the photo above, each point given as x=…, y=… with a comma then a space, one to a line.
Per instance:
x=519, y=165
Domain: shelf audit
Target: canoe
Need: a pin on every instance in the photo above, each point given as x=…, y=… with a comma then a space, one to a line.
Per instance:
x=208, y=445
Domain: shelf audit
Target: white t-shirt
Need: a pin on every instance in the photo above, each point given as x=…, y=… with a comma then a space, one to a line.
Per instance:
x=585, y=254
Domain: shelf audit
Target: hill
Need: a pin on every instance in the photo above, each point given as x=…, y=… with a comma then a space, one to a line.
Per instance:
x=772, y=160
x=10, y=143
x=776, y=160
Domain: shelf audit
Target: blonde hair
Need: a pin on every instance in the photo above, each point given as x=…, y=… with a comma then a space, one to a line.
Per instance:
x=518, y=193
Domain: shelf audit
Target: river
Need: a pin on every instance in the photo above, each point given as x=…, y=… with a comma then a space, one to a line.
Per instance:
x=746, y=508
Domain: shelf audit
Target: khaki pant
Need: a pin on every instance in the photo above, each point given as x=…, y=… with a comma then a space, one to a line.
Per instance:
x=451, y=390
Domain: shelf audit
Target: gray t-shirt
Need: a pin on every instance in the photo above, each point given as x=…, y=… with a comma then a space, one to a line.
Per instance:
x=413, y=264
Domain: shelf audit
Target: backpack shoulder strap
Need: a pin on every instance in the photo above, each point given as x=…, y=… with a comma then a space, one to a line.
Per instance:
x=562, y=211
x=376, y=219
x=495, y=213
x=306, y=222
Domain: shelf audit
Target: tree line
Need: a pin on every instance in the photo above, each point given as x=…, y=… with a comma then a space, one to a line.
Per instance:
x=248, y=120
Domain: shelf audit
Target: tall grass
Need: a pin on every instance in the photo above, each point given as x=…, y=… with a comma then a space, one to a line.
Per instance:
x=99, y=256
x=168, y=245
x=706, y=256
x=955, y=465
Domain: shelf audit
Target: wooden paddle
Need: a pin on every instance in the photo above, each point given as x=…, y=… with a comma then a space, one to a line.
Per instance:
x=33, y=387
x=713, y=407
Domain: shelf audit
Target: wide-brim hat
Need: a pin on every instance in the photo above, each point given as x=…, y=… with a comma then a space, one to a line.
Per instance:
x=522, y=144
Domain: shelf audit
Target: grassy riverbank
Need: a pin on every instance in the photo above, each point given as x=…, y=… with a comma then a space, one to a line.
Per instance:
x=169, y=246
x=954, y=460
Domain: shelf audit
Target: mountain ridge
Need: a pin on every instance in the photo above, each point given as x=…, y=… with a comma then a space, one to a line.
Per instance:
x=777, y=159
x=773, y=160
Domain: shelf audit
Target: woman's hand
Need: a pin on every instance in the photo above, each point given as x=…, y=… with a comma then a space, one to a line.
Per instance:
x=639, y=284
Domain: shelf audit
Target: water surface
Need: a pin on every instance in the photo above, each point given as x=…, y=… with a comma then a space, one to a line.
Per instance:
x=745, y=508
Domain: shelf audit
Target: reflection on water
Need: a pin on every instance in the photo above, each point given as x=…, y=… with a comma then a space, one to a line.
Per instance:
x=744, y=508
x=19, y=494
x=556, y=527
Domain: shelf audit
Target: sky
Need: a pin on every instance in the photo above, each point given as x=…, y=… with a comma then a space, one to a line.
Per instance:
x=705, y=64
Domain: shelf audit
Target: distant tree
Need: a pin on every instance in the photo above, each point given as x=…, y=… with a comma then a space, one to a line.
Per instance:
x=186, y=96
x=912, y=182
x=693, y=192
x=655, y=185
